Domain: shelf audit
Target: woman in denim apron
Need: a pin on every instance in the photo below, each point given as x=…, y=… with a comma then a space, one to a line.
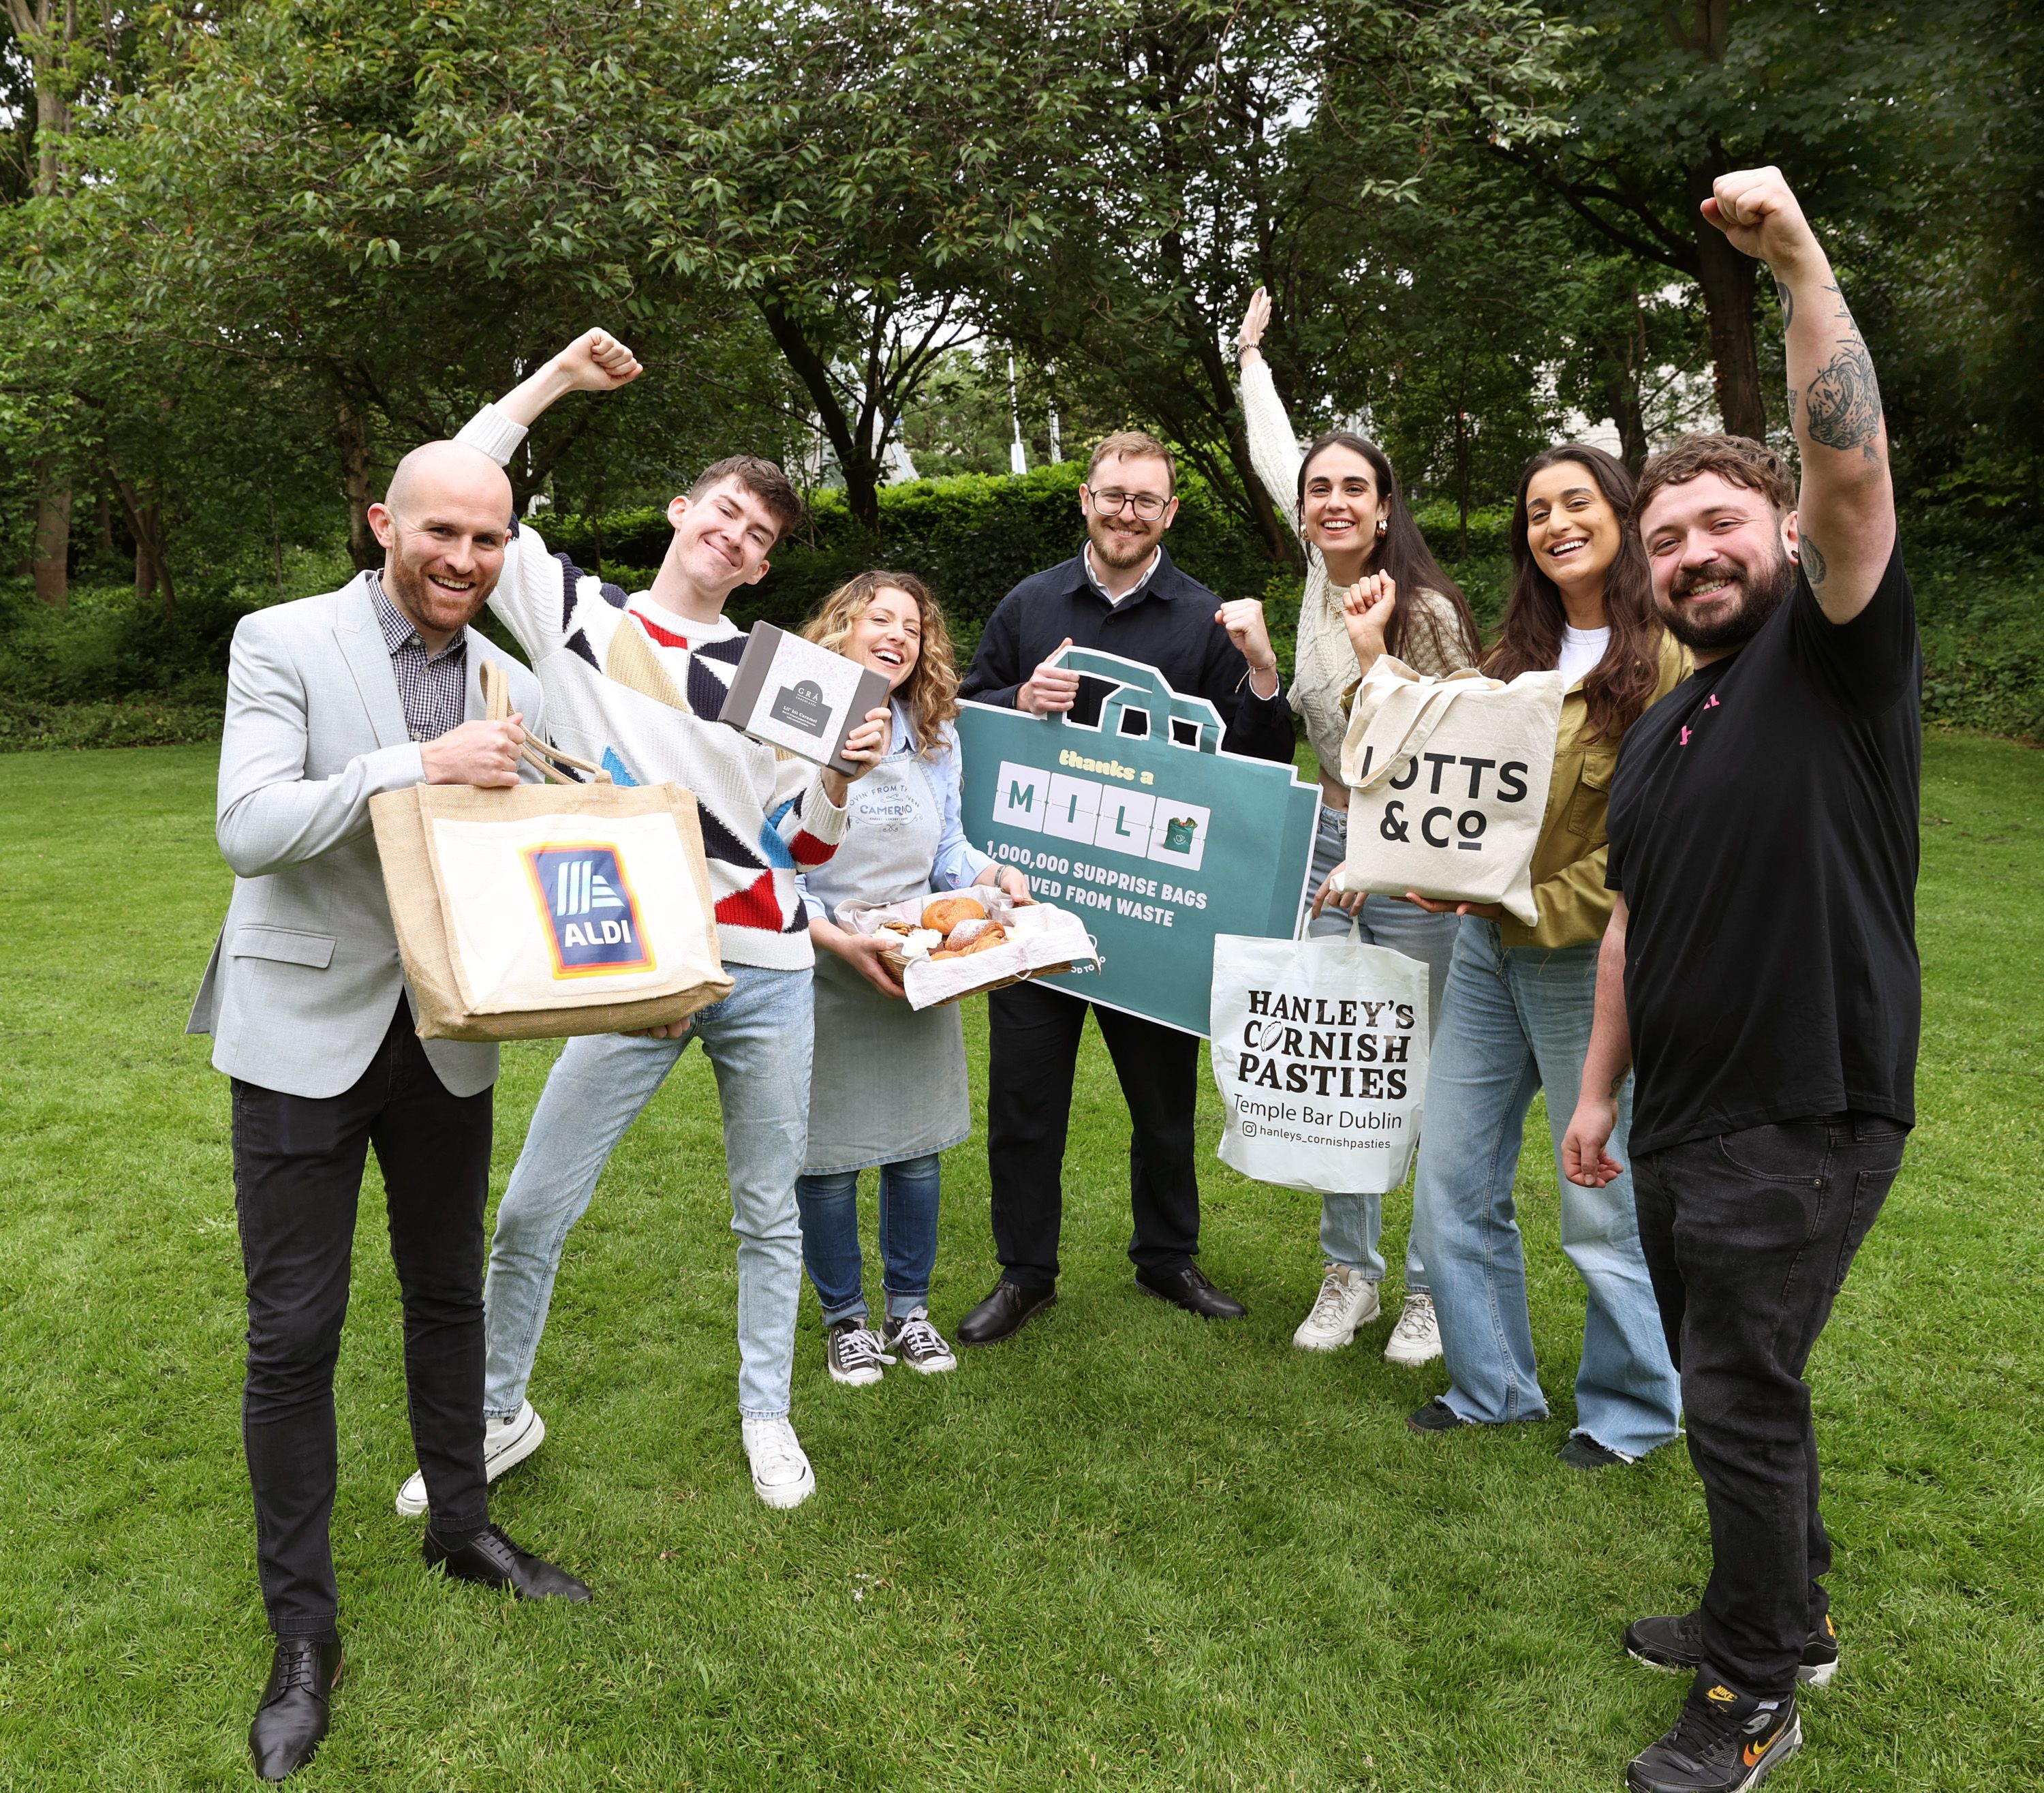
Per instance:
x=888, y=1087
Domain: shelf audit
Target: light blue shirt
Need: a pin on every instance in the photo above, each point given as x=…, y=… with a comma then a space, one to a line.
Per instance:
x=958, y=863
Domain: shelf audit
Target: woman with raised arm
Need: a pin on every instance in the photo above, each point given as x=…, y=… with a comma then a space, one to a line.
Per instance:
x=887, y=1086
x=1342, y=497
x=1520, y=999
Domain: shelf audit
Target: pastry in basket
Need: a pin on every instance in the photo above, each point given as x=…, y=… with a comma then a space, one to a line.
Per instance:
x=978, y=938
x=894, y=925
x=946, y=913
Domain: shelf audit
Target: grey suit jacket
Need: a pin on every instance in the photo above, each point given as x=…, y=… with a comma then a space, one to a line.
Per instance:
x=304, y=975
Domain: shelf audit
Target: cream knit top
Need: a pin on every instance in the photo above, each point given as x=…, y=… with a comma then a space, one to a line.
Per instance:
x=1324, y=680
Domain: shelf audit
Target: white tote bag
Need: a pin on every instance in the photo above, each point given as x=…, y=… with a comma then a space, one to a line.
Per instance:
x=1447, y=783
x=1319, y=1048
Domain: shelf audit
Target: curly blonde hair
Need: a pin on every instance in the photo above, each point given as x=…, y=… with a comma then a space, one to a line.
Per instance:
x=931, y=692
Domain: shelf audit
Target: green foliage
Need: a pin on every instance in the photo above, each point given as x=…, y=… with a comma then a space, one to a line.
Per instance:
x=112, y=673
x=1983, y=624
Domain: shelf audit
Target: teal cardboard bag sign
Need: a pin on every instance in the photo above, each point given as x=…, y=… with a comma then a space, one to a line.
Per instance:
x=1143, y=827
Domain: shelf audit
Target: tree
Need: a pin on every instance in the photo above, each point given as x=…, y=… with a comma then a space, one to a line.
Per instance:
x=1213, y=147
x=388, y=211
x=45, y=33
x=1675, y=94
x=852, y=174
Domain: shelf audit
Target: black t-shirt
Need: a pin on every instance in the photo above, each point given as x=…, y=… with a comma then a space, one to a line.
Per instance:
x=1763, y=824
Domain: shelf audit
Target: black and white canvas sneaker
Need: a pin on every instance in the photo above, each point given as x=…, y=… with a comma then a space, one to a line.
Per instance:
x=1724, y=1742
x=854, y=1354
x=918, y=1343
x=1675, y=1643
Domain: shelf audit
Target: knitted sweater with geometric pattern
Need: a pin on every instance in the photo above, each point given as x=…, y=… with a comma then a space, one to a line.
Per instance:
x=632, y=695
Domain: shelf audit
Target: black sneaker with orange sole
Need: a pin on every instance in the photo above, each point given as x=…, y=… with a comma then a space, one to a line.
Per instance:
x=1675, y=1644
x=1724, y=1742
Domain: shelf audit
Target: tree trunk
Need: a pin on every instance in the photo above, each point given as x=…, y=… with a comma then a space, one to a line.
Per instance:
x=1623, y=362
x=152, y=568
x=1727, y=279
x=852, y=446
x=1279, y=543
x=50, y=558
x=1462, y=483
x=351, y=437
x=45, y=30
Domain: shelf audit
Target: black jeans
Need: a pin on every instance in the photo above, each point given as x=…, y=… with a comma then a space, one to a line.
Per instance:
x=297, y=1173
x=1033, y=1057
x=1748, y=1237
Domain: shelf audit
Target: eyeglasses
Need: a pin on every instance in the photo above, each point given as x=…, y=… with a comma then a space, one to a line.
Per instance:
x=1145, y=505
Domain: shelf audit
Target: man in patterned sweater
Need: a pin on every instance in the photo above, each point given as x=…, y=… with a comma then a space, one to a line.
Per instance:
x=636, y=682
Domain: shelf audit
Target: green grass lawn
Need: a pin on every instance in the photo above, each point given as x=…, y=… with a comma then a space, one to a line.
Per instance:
x=1125, y=1550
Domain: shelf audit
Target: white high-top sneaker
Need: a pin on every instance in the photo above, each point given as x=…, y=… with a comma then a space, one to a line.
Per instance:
x=1345, y=1303
x=1416, y=1338
x=780, y=1473
x=505, y=1442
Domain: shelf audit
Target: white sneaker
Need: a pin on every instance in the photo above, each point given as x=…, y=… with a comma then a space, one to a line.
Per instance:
x=853, y=1353
x=781, y=1474
x=1345, y=1303
x=1416, y=1338
x=505, y=1442
x=919, y=1343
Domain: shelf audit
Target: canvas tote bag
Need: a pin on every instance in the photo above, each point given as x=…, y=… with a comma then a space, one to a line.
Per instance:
x=546, y=910
x=1319, y=1050
x=1448, y=784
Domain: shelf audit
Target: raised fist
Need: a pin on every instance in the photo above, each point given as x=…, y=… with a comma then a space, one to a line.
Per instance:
x=1760, y=216
x=596, y=361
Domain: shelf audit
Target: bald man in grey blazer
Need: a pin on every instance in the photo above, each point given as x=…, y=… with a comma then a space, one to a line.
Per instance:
x=331, y=700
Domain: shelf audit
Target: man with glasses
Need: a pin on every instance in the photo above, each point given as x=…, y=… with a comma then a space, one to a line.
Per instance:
x=1122, y=595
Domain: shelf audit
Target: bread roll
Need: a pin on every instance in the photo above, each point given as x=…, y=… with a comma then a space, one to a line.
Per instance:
x=946, y=913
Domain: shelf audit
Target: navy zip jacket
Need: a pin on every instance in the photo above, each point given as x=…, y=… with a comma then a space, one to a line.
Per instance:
x=1169, y=624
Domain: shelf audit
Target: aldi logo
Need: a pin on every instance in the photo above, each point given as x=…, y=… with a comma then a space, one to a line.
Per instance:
x=593, y=919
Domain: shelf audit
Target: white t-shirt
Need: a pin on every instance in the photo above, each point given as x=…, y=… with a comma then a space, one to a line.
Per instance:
x=1582, y=648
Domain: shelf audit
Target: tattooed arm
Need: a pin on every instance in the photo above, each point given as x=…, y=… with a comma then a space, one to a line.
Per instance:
x=1845, y=519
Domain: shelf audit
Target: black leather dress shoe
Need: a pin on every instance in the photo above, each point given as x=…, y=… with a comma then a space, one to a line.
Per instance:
x=492, y=1558
x=1001, y=1314
x=1190, y=1288
x=294, y=1715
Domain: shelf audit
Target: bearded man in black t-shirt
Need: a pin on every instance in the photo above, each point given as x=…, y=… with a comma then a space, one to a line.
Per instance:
x=1760, y=977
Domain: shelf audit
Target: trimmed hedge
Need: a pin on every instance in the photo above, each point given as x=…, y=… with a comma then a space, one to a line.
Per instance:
x=109, y=673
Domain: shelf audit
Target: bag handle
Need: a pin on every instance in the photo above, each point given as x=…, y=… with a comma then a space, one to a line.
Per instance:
x=1404, y=723
x=1143, y=689
x=542, y=755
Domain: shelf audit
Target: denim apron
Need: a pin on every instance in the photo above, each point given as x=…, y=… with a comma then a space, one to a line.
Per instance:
x=888, y=1083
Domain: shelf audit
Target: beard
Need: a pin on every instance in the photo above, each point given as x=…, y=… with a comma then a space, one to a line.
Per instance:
x=404, y=581
x=1753, y=597
x=1118, y=552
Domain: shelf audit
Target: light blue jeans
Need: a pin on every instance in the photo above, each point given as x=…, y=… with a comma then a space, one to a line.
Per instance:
x=909, y=1188
x=1517, y=1019
x=1349, y=1224
x=759, y=1039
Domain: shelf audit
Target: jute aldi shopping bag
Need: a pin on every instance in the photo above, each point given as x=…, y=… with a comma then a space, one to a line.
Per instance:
x=545, y=910
x=1319, y=1048
x=1447, y=783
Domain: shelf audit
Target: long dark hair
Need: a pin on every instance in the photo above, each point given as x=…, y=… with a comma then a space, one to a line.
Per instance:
x=1621, y=684
x=1402, y=551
